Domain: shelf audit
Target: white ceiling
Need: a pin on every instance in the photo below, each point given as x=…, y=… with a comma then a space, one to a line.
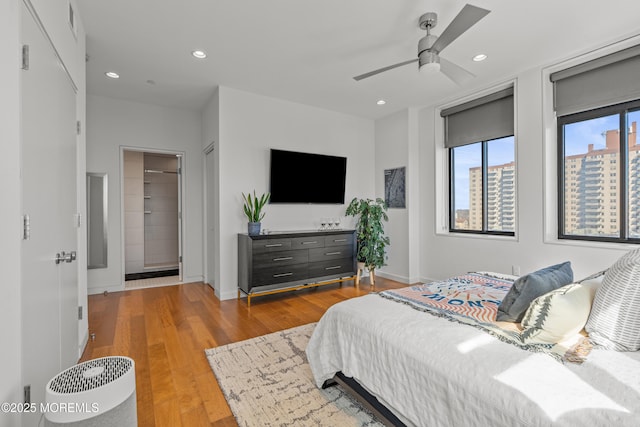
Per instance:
x=308, y=51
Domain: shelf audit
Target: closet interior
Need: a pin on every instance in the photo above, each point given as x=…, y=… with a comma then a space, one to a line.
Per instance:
x=151, y=214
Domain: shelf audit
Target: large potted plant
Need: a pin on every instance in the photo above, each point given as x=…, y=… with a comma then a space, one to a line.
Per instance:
x=253, y=206
x=372, y=241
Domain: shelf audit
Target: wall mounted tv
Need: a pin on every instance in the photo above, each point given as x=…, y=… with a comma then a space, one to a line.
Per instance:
x=307, y=178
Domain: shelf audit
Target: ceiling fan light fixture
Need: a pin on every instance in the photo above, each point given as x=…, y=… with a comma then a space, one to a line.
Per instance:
x=432, y=67
x=429, y=62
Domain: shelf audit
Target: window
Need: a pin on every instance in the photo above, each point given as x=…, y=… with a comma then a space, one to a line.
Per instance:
x=597, y=106
x=589, y=138
x=479, y=137
x=483, y=186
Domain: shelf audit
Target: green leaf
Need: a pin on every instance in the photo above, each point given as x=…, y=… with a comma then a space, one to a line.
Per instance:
x=253, y=206
x=372, y=241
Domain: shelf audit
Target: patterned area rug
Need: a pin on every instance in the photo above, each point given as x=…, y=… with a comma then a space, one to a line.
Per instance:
x=267, y=382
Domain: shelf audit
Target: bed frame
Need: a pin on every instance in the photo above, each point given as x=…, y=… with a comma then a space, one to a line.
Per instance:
x=367, y=400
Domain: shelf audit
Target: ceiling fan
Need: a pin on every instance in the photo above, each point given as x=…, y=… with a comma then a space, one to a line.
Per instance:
x=430, y=46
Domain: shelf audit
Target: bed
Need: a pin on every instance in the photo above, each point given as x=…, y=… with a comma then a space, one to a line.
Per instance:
x=428, y=369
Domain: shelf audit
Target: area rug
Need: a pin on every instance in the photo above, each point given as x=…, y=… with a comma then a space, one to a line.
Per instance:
x=267, y=382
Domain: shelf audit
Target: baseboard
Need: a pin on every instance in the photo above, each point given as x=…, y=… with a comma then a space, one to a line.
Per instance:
x=83, y=343
x=228, y=295
x=193, y=279
x=102, y=289
x=391, y=276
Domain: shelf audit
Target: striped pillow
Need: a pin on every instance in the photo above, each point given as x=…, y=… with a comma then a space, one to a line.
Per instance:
x=560, y=314
x=614, y=322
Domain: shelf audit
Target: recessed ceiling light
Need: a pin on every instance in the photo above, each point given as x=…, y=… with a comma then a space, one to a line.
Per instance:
x=480, y=57
x=112, y=75
x=381, y=102
x=200, y=54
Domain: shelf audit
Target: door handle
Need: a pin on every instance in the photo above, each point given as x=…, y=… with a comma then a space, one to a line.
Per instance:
x=65, y=257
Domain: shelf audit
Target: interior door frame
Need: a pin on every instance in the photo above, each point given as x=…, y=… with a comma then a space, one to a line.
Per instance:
x=181, y=204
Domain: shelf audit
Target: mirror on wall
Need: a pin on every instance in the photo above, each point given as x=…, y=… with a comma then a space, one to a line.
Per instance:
x=97, y=220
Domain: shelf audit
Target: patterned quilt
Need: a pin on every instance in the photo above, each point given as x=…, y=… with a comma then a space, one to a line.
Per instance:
x=473, y=299
x=473, y=295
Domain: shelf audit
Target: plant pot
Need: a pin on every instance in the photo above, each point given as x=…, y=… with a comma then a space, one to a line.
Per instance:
x=253, y=228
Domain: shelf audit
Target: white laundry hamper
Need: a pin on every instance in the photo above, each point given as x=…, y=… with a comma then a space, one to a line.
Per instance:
x=98, y=392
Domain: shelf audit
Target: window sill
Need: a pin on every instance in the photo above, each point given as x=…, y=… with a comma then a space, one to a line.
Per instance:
x=447, y=233
x=590, y=244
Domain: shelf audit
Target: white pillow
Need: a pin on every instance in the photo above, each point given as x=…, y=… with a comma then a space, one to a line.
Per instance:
x=614, y=322
x=560, y=314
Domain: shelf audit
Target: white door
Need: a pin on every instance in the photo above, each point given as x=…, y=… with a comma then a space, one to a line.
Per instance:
x=210, y=220
x=49, y=289
x=180, y=221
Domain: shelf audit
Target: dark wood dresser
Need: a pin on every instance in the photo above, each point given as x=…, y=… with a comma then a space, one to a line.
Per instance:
x=285, y=261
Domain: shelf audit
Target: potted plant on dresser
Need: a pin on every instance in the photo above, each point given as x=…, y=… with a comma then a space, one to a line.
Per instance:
x=371, y=239
x=252, y=208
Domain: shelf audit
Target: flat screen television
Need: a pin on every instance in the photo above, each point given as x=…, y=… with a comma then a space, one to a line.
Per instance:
x=307, y=178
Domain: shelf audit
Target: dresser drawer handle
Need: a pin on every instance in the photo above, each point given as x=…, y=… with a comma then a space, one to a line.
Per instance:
x=284, y=258
x=339, y=240
x=283, y=275
x=273, y=245
x=333, y=253
x=335, y=267
x=309, y=243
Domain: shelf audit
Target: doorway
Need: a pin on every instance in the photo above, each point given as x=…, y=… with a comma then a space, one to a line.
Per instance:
x=152, y=213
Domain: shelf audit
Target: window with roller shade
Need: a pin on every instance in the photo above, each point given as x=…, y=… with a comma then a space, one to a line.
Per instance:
x=479, y=138
x=597, y=105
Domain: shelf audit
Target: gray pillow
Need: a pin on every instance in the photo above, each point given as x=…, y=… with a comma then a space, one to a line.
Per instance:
x=529, y=287
x=614, y=322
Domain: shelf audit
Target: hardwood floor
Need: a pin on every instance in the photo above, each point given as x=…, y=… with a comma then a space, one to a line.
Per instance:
x=166, y=330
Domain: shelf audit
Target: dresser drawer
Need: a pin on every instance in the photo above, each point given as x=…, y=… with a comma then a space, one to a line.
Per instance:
x=307, y=242
x=331, y=267
x=273, y=259
x=269, y=245
x=331, y=252
x=338, y=240
x=281, y=274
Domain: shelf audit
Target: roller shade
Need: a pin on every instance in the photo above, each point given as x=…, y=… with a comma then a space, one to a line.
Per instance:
x=608, y=80
x=482, y=119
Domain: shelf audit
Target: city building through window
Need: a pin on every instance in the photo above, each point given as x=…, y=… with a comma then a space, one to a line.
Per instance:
x=599, y=185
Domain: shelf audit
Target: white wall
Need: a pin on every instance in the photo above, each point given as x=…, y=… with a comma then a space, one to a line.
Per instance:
x=112, y=124
x=396, y=139
x=10, y=220
x=249, y=125
x=392, y=151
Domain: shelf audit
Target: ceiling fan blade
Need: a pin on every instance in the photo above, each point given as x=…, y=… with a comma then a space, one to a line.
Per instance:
x=466, y=19
x=382, y=70
x=456, y=73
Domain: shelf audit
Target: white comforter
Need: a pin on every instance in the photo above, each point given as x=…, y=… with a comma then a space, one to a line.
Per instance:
x=433, y=372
